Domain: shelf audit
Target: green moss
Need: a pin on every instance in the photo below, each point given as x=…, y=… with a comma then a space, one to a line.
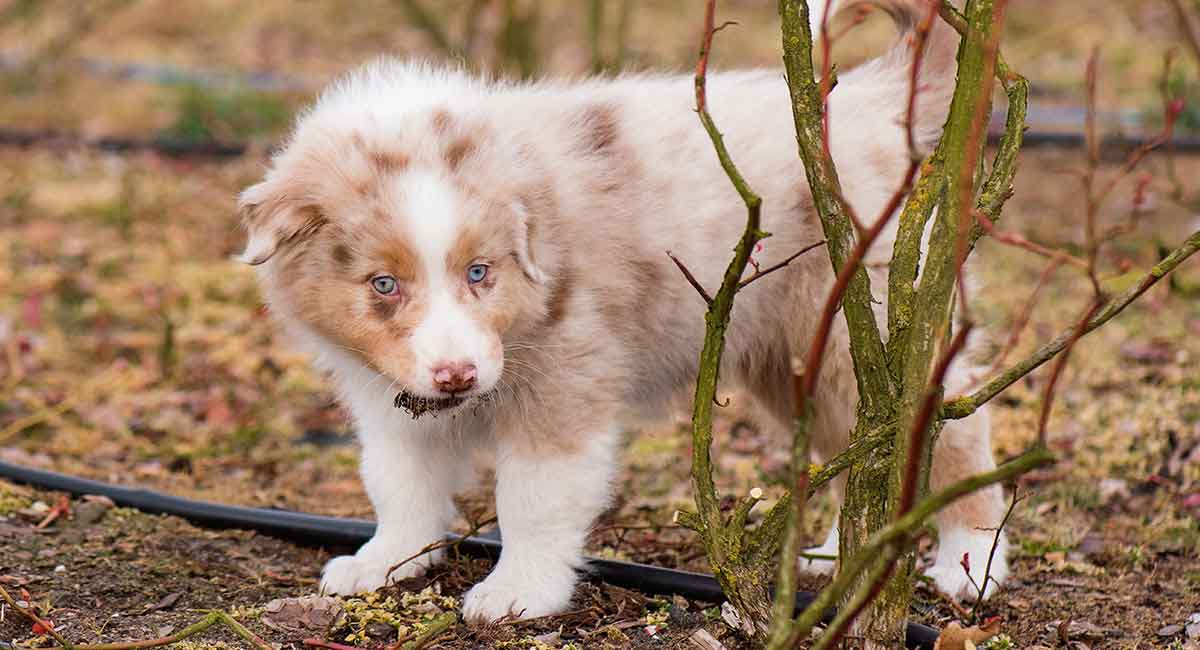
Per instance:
x=11, y=500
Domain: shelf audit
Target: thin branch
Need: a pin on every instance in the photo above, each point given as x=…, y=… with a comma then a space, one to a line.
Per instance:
x=432, y=631
x=210, y=619
x=37, y=620
x=1057, y=368
x=904, y=531
x=770, y=269
x=987, y=569
x=691, y=278
x=1026, y=313
x=1020, y=241
x=867, y=592
x=440, y=544
x=964, y=406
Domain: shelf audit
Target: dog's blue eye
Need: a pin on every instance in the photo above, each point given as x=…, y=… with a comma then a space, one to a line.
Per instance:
x=384, y=284
x=476, y=273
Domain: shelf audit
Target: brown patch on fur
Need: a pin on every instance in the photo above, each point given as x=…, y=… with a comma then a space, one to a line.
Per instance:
x=365, y=187
x=381, y=216
x=458, y=151
x=385, y=307
x=397, y=258
x=442, y=121
x=560, y=295
x=342, y=255
x=388, y=162
x=599, y=129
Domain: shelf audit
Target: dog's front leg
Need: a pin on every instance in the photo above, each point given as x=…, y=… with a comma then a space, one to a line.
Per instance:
x=410, y=477
x=546, y=499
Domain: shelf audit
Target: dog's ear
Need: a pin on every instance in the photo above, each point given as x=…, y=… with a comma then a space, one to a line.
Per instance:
x=523, y=238
x=273, y=218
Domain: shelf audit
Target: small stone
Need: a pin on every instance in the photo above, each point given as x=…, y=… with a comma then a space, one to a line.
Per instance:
x=1193, y=630
x=90, y=512
x=549, y=638
x=1194, y=618
x=1170, y=630
x=60, y=569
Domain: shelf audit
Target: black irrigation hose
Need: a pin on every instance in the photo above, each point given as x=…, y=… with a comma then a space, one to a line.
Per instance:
x=335, y=531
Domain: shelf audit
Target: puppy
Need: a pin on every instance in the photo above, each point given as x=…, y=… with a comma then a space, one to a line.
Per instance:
x=483, y=264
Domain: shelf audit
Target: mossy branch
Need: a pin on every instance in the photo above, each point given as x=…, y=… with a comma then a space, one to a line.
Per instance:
x=905, y=531
x=212, y=618
x=961, y=407
x=866, y=346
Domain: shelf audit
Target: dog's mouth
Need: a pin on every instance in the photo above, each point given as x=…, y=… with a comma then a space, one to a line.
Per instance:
x=418, y=406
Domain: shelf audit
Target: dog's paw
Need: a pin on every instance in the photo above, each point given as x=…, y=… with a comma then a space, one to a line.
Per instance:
x=501, y=596
x=817, y=566
x=364, y=572
x=949, y=574
x=820, y=566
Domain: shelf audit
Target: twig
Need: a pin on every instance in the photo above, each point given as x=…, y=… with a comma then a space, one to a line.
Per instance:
x=210, y=619
x=869, y=591
x=1057, y=368
x=61, y=507
x=903, y=530
x=760, y=273
x=964, y=406
x=440, y=544
x=691, y=278
x=1026, y=313
x=432, y=631
x=1020, y=241
x=31, y=615
x=987, y=569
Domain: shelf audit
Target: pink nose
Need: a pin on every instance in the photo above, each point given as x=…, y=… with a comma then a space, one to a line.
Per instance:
x=454, y=377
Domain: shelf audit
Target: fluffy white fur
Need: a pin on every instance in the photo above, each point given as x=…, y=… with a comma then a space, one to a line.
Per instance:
x=570, y=194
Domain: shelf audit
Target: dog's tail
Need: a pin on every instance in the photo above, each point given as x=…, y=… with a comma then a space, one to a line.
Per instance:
x=890, y=74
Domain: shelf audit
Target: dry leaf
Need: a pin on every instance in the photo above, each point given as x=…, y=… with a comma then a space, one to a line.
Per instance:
x=956, y=637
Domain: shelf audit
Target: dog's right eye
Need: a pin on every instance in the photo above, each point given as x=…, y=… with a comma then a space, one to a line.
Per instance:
x=384, y=284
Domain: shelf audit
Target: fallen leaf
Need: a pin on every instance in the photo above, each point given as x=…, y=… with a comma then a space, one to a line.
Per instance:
x=303, y=613
x=166, y=602
x=956, y=637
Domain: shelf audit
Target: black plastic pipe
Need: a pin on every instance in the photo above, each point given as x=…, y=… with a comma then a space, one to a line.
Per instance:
x=335, y=531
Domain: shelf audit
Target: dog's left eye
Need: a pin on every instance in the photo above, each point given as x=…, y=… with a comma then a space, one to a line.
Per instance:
x=476, y=273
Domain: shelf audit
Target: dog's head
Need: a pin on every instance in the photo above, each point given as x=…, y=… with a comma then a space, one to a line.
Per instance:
x=380, y=230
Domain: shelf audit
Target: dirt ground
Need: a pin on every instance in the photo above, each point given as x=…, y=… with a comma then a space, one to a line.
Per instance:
x=135, y=351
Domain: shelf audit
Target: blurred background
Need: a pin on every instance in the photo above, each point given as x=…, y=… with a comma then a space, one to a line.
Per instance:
x=133, y=350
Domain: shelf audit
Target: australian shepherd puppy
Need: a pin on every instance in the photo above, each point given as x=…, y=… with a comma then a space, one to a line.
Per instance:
x=482, y=265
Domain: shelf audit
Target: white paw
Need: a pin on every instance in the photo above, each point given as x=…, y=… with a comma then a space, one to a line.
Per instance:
x=818, y=567
x=364, y=572
x=821, y=566
x=500, y=596
x=952, y=579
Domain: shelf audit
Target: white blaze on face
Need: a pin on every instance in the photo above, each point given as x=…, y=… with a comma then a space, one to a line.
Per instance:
x=447, y=335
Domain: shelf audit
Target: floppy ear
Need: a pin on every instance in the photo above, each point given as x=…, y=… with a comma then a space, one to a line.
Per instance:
x=522, y=241
x=273, y=219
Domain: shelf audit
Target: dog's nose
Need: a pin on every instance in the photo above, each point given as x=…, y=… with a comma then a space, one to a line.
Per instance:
x=454, y=377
